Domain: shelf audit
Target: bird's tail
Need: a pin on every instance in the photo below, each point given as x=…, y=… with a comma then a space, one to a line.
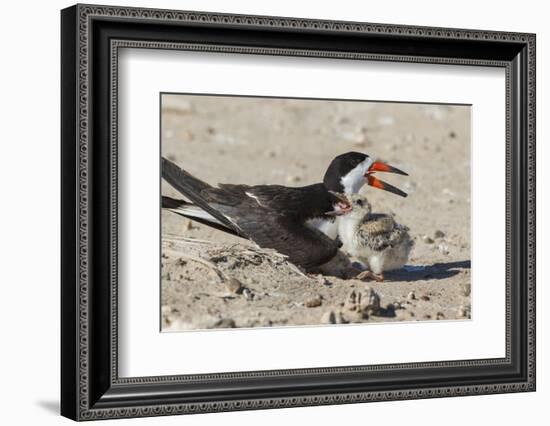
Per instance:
x=191, y=188
x=191, y=211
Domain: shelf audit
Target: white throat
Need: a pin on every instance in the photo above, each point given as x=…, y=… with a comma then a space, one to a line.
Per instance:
x=355, y=179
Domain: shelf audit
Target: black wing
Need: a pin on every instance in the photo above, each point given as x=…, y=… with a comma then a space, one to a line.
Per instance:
x=304, y=246
x=303, y=202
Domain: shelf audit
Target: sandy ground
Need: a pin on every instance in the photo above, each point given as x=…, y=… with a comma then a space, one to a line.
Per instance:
x=211, y=279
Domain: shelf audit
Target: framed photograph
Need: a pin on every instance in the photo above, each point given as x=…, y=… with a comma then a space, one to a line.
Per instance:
x=263, y=212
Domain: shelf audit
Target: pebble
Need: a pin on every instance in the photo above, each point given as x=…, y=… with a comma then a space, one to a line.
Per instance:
x=225, y=323
x=293, y=179
x=439, y=234
x=444, y=249
x=424, y=297
x=364, y=301
x=248, y=294
x=328, y=318
x=411, y=296
x=427, y=239
x=464, y=311
x=314, y=302
x=323, y=281
x=439, y=316
x=410, y=186
x=452, y=134
x=234, y=286
x=466, y=289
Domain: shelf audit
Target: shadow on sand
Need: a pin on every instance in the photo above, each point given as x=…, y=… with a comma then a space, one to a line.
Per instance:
x=437, y=271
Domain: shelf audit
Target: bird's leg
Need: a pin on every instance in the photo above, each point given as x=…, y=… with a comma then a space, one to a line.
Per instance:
x=369, y=275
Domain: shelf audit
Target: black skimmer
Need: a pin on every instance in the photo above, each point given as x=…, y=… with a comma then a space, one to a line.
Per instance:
x=346, y=174
x=375, y=239
x=272, y=216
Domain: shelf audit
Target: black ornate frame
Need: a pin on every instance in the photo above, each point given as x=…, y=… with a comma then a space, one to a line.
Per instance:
x=91, y=37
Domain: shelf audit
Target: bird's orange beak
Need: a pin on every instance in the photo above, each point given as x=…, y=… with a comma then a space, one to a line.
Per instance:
x=378, y=166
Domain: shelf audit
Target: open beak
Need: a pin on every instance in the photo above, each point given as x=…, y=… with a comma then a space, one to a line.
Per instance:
x=378, y=166
x=343, y=205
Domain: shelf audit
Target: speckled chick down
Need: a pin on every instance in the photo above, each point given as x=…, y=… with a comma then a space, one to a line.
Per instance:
x=373, y=238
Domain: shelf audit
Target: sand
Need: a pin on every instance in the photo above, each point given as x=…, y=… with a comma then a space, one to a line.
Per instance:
x=211, y=279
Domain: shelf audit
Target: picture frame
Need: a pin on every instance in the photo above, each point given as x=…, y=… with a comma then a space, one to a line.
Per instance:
x=91, y=37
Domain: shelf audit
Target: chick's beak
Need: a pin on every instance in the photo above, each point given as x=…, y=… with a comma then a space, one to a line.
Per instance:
x=378, y=166
x=341, y=207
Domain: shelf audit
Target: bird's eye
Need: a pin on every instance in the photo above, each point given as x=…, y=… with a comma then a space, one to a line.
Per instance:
x=359, y=202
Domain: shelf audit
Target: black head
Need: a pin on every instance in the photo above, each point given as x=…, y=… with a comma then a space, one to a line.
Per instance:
x=340, y=167
x=350, y=171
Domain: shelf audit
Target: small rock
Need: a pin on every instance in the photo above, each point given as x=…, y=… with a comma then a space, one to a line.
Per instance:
x=332, y=317
x=464, y=311
x=439, y=234
x=411, y=296
x=328, y=318
x=323, y=281
x=247, y=294
x=234, y=286
x=427, y=316
x=314, y=302
x=225, y=323
x=466, y=289
x=444, y=249
x=452, y=134
x=364, y=301
x=410, y=186
x=424, y=297
x=439, y=316
x=427, y=239
x=293, y=179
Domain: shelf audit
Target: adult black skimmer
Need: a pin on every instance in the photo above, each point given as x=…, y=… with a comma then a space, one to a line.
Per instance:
x=346, y=174
x=272, y=216
x=375, y=239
